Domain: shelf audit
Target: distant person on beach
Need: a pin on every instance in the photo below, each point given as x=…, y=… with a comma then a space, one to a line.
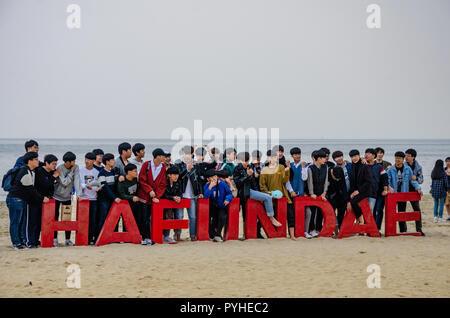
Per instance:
x=380, y=155
x=410, y=158
x=360, y=184
x=98, y=163
x=152, y=185
x=30, y=146
x=22, y=194
x=219, y=195
x=44, y=182
x=68, y=179
x=173, y=192
x=191, y=186
x=439, y=189
x=124, y=150
x=317, y=187
x=298, y=175
x=90, y=185
x=400, y=179
x=107, y=194
x=447, y=200
x=339, y=189
x=138, y=150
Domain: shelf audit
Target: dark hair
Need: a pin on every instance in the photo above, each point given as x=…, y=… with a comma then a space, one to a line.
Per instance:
x=50, y=158
x=257, y=154
x=187, y=150
x=354, y=152
x=97, y=152
x=447, y=159
x=278, y=148
x=215, y=151
x=69, y=156
x=271, y=153
x=29, y=156
x=295, y=151
x=90, y=156
x=137, y=147
x=326, y=150
x=399, y=154
x=337, y=154
x=200, y=151
x=130, y=167
x=173, y=170
x=30, y=143
x=107, y=157
x=158, y=152
x=124, y=146
x=372, y=151
x=313, y=154
x=438, y=171
x=379, y=149
x=411, y=152
x=243, y=156
x=319, y=154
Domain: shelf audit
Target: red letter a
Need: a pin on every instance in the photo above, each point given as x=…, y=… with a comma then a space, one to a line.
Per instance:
x=348, y=227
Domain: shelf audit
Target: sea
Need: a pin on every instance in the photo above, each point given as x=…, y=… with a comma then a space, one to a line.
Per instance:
x=429, y=150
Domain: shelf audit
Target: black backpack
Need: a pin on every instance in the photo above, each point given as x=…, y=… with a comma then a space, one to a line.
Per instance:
x=8, y=178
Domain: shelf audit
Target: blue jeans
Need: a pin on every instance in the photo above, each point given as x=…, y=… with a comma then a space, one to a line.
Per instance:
x=17, y=209
x=378, y=212
x=192, y=214
x=261, y=196
x=372, y=202
x=438, y=207
x=103, y=210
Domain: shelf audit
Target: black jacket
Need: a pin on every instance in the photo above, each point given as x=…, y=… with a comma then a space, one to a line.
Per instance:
x=173, y=190
x=23, y=187
x=44, y=182
x=361, y=179
x=244, y=182
x=201, y=168
x=337, y=190
x=191, y=175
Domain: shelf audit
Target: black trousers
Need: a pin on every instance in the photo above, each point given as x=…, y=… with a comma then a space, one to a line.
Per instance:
x=401, y=207
x=316, y=219
x=57, y=205
x=93, y=219
x=356, y=208
x=217, y=219
x=33, y=223
x=291, y=215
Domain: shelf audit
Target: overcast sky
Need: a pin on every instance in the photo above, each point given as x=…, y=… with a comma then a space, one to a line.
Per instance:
x=139, y=69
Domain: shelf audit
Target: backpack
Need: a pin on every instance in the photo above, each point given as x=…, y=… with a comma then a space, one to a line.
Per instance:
x=8, y=179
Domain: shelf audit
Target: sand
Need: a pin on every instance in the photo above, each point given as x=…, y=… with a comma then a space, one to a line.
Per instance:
x=320, y=267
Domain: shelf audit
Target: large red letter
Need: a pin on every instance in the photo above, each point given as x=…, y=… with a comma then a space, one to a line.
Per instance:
x=255, y=209
x=203, y=219
x=107, y=234
x=349, y=227
x=158, y=222
x=392, y=216
x=232, y=230
x=49, y=225
x=329, y=218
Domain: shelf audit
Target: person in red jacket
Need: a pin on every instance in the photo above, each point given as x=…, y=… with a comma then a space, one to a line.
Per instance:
x=152, y=184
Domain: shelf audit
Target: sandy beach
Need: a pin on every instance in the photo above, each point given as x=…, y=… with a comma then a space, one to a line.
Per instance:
x=320, y=267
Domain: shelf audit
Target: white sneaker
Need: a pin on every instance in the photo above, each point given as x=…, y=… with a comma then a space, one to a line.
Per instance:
x=69, y=243
x=144, y=242
x=149, y=241
x=55, y=242
x=217, y=239
x=314, y=233
x=435, y=220
x=441, y=220
x=168, y=239
x=307, y=235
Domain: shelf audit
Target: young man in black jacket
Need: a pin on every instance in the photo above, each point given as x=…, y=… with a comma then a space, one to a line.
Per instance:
x=21, y=195
x=173, y=192
x=44, y=182
x=360, y=184
x=202, y=166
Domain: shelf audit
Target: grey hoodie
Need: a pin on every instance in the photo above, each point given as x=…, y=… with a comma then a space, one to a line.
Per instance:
x=66, y=182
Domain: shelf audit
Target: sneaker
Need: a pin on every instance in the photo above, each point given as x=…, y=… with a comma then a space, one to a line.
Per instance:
x=217, y=239
x=435, y=220
x=441, y=220
x=29, y=246
x=307, y=235
x=144, y=242
x=69, y=243
x=17, y=247
x=168, y=239
x=150, y=242
x=91, y=243
x=448, y=219
x=314, y=233
x=55, y=242
x=177, y=237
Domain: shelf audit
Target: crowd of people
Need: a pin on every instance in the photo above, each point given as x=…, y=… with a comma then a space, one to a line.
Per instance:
x=208, y=173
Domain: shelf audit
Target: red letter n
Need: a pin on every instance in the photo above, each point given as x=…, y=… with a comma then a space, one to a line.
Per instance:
x=255, y=209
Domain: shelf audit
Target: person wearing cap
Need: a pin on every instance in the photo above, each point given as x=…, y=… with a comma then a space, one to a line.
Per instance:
x=98, y=163
x=152, y=184
x=168, y=160
x=360, y=184
x=89, y=188
x=400, y=178
x=380, y=185
x=190, y=182
x=219, y=195
x=173, y=192
x=317, y=187
x=138, y=150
